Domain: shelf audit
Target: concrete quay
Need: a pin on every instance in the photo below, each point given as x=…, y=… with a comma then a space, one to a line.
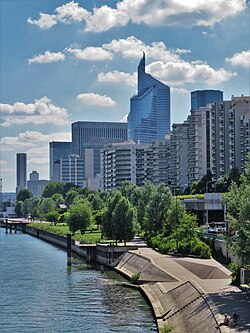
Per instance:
x=190, y=294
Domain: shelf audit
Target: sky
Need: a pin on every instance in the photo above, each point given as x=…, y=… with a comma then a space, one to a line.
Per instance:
x=66, y=61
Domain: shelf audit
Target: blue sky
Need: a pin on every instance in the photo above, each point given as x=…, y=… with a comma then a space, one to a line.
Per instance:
x=66, y=61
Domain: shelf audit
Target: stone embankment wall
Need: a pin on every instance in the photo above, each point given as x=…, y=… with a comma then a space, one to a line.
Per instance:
x=180, y=304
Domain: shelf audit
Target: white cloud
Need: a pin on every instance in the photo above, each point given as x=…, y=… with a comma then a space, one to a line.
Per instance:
x=91, y=53
x=179, y=90
x=33, y=142
x=38, y=113
x=178, y=73
x=118, y=77
x=131, y=47
x=71, y=12
x=152, y=13
x=240, y=59
x=124, y=119
x=2, y=162
x=105, y=18
x=45, y=21
x=47, y=58
x=95, y=99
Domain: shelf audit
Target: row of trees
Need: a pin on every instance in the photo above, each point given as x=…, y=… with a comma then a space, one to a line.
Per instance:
x=120, y=214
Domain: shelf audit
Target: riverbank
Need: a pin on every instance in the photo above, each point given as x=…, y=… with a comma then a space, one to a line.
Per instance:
x=183, y=292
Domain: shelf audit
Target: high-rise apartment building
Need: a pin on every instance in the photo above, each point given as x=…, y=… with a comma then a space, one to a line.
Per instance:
x=88, y=138
x=21, y=171
x=149, y=116
x=179, y=141
x=201, y=98
x=56, y=151
x=123, y=162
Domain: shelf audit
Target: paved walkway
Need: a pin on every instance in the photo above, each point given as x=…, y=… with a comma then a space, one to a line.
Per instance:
x=210, y=277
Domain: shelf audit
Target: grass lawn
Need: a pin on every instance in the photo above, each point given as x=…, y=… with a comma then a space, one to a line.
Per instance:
x=90, y=236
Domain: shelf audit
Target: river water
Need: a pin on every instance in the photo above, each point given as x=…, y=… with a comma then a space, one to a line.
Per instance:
x=39, y=293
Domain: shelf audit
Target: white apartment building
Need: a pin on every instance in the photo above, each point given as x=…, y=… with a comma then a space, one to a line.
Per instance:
x=122, y=162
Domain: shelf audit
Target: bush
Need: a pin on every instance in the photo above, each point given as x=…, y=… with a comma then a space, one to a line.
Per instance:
x=167, y=328
x=135, y=277
x=201, y=249
x=235, y=273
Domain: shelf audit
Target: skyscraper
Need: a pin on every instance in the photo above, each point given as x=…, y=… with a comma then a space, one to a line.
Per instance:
x=56, y=151
x=149, y=116
x=203, y=97
x=21, y=171
x=88, y=138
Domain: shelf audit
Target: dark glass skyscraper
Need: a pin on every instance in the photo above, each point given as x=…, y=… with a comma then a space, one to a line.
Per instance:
x=149, y=116
x=21, y=171
x=203, y=97
x=57, y=150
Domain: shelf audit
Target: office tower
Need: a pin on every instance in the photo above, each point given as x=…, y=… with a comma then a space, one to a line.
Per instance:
x=88, y=138
x=71, y=170
x=35, y=185
x=203, y=97
x=21, y=171
x=56, y=151
x=149, y=116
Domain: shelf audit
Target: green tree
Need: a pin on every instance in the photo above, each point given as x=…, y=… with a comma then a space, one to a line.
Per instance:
x=187, y=230
x=52, y=216
x=24, y=194
x=113, y=200
x=123, y=221
x=156, y=210
x=175, y=213
x=238, y=212
x=53, y=188
x=46, y=205
x=79, y=216
x=19, y=209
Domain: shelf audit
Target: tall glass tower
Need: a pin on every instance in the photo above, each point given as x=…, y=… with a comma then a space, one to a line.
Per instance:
x=149, y=116
x=21, y=171
x=203, y=97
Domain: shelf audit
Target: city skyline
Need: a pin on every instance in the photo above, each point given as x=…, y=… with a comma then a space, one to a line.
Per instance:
x=65, y=61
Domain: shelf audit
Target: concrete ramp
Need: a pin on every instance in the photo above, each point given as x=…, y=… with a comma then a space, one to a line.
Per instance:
x=203, y=271
x=183, y=306
x=132, y=263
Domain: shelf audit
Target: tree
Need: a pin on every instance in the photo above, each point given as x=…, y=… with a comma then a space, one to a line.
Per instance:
x=187, y=230
x=175, y=213
x=113, y=200
x=79, y=216
x=52, y=188
x=19, y=209
x=238, y=212
x=24, y=194
x=156, y=210
x=46, y=205
x=52, y=216
x=123, y=221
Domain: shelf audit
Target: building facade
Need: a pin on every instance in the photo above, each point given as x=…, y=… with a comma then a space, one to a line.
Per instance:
x=201, y=98
x=21, y=171
x=88, y=138
x=149, y=116
x=56, y=151
x=71, y=170
x=123, y=162
x=35, y=185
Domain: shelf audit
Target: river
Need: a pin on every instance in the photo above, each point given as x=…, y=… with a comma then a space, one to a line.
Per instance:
x=39, y=293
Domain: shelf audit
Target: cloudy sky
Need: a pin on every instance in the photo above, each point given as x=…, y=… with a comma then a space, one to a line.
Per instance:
x=68, y=61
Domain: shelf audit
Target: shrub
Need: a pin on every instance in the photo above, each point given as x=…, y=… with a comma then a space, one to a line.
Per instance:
x=135, y=277
x=235, y=273
x=167, y=328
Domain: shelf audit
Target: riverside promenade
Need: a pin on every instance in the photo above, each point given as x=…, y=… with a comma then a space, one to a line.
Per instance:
x=190, y=294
